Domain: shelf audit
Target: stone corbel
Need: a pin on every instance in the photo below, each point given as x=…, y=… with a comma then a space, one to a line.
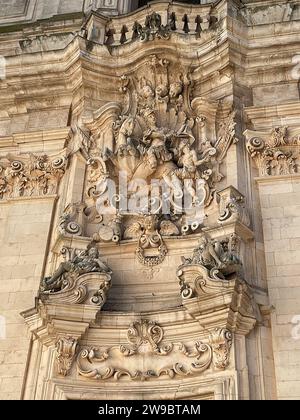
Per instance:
x=232, y=207
x=217, y=303
x=61, y=319
x=66, y=349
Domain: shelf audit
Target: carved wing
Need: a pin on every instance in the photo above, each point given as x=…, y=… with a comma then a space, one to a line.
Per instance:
x=133, y=231
x=226, y=136
x=168, y=228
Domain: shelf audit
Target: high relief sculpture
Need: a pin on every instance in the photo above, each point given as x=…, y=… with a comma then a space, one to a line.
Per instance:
x=164, y=161
x=84, y=262
x=216, y=256
x=30, y=175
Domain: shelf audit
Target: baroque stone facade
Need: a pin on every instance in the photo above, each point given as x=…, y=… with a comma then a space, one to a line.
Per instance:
x=149, y=200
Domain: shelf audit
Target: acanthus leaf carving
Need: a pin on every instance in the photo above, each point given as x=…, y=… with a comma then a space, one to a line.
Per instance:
x=275, y=152
x=66, y=348
x=30, y=175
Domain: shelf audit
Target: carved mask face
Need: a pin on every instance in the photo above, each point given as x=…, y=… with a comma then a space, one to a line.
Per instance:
x=161, y=91
x=175, y=90
x=148, y=92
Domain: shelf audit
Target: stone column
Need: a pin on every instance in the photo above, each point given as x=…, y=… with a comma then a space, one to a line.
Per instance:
x=277, y=158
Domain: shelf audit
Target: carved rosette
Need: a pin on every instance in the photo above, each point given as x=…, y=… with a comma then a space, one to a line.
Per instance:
x=65, y=354
x=30, y=175
x=221, y=341
x=275, y=152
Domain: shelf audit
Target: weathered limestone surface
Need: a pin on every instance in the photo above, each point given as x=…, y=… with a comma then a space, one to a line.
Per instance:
x=24, y=234
x=280, y=212
x=122, y=306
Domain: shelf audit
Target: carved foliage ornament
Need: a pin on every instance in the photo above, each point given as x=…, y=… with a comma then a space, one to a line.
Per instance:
x=275, y=152
x=221, y=341
x=66, y=348
x=27, y=176
x=136, y=362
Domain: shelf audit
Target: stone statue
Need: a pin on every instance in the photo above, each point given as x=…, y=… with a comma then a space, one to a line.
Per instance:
x=215, y=255
x=85, y=262
x=156, y=139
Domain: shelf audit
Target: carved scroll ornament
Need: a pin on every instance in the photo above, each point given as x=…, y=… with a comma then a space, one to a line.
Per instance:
x=275, y=152
x=30, y=175
x=145, y=359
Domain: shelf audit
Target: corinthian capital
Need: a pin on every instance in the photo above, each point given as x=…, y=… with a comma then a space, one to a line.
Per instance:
x=276, y=152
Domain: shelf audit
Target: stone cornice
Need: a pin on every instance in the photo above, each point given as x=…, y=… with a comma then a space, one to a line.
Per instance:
x=45, y=140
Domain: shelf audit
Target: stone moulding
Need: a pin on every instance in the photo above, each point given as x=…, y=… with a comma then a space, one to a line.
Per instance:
x=61, y=318
x=161, y=21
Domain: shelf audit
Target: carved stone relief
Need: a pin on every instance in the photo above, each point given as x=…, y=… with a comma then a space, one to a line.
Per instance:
x=160, y=155
x=136, y=363
x=275, y=152
x=65, y=354
x=30, y=175
x=218, y=257
x=81, y=278
x=232, y=207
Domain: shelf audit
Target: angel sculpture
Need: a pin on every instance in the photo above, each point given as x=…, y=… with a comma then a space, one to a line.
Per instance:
x=189, y=163
x=150, y=225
